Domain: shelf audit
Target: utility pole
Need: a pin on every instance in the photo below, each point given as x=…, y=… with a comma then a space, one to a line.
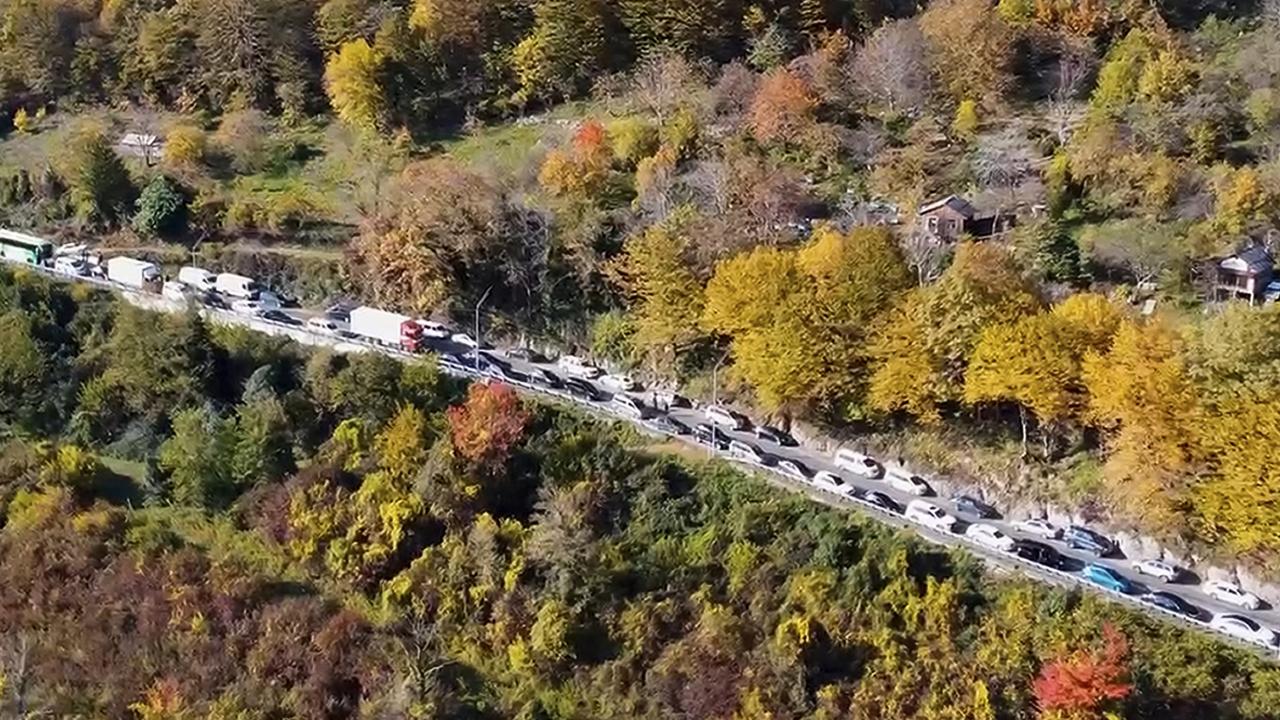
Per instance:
x=483, y=297
x=715, y=429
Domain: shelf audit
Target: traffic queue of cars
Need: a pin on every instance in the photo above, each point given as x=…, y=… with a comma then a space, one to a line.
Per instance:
x=245, y=296
x=1034, y=548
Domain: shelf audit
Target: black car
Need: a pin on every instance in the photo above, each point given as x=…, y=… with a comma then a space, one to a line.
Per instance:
x=1172, y=603
x=875, y=497
x=1095, y=543
x=707, y=434
x=487, y=360
x=500, y=372
x=286, y=299
x=547, y=378
x=215, y=301
x=973, y=506
x=583, y=390
x=454, y=362
x=281, y=317
x=526, y=354
x=676, y=401
x=776, y=436
x=1038, y=553
x=667, y=424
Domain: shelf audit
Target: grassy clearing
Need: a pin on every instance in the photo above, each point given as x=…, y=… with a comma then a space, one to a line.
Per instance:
x=132, y=469
x=36, y=149
x=506, y=148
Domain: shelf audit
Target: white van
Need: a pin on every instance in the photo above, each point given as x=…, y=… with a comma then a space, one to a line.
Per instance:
x=237, y=286
x=858, y=464
x=198, y=278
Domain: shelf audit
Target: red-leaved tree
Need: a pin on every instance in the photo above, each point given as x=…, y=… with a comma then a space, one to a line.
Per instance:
x=1082, y=683
x=486, y=427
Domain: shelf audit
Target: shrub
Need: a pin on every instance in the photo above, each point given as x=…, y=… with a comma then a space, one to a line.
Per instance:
x=162, y=209
x=185, y=146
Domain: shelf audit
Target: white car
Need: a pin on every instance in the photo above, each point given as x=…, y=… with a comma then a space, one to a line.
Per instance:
x=746, y=451
x=1039, y=527
x=989, y=536
x=71, y=266
x=618, y=381
x=464, y=340
x=1232, y=594
x=858, y=464
x=433, y=330
x=172, y=290
x=269, y=300
x=793, y=469
x=722, y=417
x=832, y=482
x=624, y=404
x=910, y=484
x=322, y=325
x=1166, y=571
x=575, y=365
x=929, y=515
x=252, y=308
x=1244, y=628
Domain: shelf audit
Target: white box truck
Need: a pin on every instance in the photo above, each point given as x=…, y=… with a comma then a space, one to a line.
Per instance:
x=387, y=328
x=132, y=273
x=197, y=278
x=237, y=286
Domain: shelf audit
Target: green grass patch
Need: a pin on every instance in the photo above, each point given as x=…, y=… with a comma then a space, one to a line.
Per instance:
x=506, y=147
x=132, y=469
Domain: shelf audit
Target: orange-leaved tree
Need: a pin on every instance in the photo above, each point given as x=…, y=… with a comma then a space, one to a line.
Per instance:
x=486, y=427
x=1085, y=683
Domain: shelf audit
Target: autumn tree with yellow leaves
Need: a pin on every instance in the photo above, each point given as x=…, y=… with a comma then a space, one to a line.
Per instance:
x=798, y=319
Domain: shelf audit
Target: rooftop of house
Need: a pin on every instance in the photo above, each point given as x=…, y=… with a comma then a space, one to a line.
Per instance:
x=954, y=202
x=139, y=140
x=1253, y=260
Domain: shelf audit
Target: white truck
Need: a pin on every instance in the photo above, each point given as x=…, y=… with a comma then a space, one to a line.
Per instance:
x=197, y=278
x=132, y=273
x=387, y=328
x=237, y=286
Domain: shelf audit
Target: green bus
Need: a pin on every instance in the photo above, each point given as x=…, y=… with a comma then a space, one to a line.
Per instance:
x=19, y=247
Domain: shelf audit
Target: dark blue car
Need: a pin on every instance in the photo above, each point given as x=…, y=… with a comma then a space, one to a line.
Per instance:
x=1094, y=543
x=1172, y=603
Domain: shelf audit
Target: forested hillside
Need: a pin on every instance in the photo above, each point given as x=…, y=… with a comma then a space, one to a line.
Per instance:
x=338, y=537
x=206, y=523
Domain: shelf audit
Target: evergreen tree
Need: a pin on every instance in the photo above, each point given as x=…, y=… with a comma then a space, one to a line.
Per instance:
x=101, y=190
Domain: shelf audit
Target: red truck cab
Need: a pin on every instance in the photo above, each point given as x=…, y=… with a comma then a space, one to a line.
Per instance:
x=411, y=338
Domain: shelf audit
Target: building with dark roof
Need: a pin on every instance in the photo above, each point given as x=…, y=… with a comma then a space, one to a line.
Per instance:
x=1244, y=275
x=952, y=216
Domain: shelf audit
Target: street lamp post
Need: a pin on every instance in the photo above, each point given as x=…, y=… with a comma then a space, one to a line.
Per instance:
x=715, y=370
x=483, y=297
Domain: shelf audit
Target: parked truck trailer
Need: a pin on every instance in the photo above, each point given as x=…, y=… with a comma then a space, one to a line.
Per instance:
x=133, y=273
x=387, y=328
